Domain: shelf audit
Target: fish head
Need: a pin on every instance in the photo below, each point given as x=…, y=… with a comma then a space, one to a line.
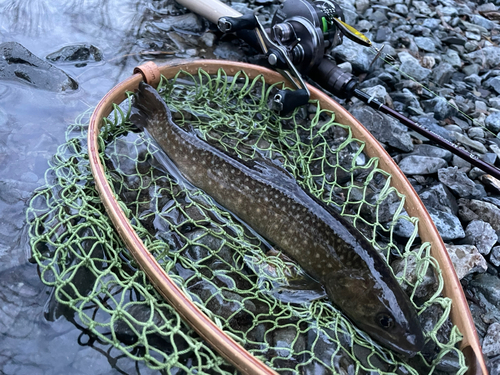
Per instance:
x=380, y=308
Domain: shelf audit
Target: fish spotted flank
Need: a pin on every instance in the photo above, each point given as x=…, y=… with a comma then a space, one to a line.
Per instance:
x=327, y=247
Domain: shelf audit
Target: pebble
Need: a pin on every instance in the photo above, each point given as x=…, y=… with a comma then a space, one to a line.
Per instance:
x=415, y=164
x=384, y=128
x=482, y=235
x=459, y=183
x=491, y=342
x=492, y=122
x=466, y=260
x=447, y=224
x=488, y=212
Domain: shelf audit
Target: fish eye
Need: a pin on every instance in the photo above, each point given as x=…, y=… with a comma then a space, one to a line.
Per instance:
x=385, y=321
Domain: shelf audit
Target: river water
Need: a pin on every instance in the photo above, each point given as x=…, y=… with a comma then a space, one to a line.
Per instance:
x=33, y=122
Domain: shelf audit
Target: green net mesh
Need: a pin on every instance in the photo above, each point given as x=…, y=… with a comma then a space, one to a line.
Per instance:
x=258, y=296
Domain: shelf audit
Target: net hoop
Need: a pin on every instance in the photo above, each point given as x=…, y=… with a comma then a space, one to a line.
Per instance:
x=218, y=339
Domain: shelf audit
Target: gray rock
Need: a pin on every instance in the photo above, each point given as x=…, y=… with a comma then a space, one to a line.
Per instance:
x=425, y=43
x=491, y=342
x=482, y=234
x=494, y=102
x=430, y=124
x=362, y=5
x=459, y=183
x=413, y=69
x=471, y=69
x=440, y=198
x=20, y=65
x=466, y=260
x=489, y=55
x=475, y=173
x=404, y=228
x=415, y=164
x=447, y=11
x=422, y=7
x=442, y=73
x=448, y=225
x=476, y=133
x=431, y=23
x=462, y=165
x=471, y=45
x=442, y=108
x=432, y=151
x=487, y=7
x=489, y=286
x=452, y=57
x=485, y=211
x=377, y=92
x=384, y=128
x=495, y=256
x=494, y=83
x=401, y=9
x=359, y=56
x=492, y=122
x=463, y=139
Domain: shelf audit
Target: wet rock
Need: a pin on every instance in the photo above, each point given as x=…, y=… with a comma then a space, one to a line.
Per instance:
x=125, y=329
x=448, y=225
x=466, y=260
x=459, y=183
x=77, y=53
x=487, y=212
x=483, y=236
x=384, y=128
x=188, y=22
x=287, y=340
x=421, y=165
x=491, y=342
x=227, y=51
x=20, y=65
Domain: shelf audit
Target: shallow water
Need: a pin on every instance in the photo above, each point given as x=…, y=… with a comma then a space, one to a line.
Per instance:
x=32, y=125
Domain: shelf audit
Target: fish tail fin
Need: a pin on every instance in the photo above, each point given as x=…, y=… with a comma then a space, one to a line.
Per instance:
x=148, y=107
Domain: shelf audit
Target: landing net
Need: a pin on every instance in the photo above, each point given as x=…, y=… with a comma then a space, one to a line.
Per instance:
x=258, y=296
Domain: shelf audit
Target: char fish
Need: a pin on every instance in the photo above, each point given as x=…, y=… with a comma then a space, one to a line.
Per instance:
x=327, y=247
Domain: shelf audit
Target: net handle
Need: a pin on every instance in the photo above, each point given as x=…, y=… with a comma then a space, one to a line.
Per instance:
x=226, y=346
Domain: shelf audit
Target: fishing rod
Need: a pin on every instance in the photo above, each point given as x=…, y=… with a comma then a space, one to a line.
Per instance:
x=295, y=45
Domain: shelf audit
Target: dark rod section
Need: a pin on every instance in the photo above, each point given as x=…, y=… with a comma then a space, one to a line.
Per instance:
x=471, y=158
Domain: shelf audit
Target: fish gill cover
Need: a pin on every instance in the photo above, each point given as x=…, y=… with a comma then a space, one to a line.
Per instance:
x=250, y=290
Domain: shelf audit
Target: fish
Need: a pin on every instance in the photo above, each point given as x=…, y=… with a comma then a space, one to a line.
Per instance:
x=356, y=278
